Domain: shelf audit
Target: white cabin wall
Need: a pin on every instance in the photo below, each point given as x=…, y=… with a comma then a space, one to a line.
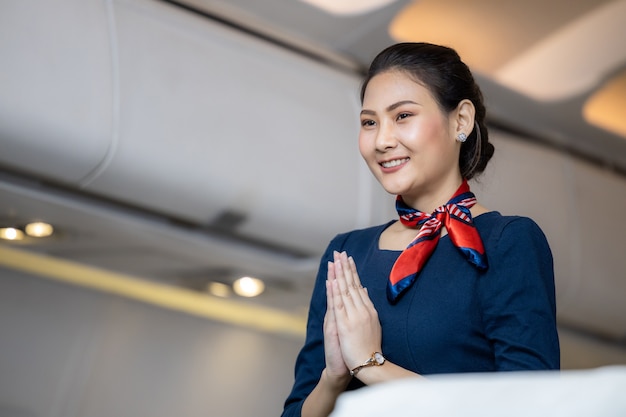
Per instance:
x=66, y=351
x=577, y=204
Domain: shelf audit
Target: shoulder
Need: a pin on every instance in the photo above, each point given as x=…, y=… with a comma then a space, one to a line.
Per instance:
x=358, y=237
x=514, y=242
x=495, y=226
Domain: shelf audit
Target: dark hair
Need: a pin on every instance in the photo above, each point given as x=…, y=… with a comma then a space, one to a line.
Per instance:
x=441, y=71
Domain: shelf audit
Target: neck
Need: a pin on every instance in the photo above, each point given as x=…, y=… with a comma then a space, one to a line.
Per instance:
x=428, y=200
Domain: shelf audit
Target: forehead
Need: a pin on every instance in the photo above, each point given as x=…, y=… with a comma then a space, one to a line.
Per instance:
x=392, y=86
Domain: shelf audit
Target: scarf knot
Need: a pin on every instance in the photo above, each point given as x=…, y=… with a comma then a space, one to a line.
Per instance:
x=456, y=217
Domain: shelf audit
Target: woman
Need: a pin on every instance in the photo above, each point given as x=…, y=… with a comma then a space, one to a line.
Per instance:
x=452, y=287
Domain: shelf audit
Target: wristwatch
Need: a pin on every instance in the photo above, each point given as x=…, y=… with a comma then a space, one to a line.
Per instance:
x=376, y=359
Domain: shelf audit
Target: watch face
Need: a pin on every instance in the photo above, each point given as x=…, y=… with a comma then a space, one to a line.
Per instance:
x=379, y=358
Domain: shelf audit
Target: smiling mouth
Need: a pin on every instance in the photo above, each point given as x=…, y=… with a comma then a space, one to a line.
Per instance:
x=394, y=163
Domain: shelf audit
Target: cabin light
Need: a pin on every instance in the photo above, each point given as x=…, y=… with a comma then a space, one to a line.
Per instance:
x=248, y=287
x=605, y=107
x=219, y=289
x=11, y=233
x=39, y=229
x=348, y=7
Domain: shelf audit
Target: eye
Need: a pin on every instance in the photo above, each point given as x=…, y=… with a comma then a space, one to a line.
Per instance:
x=368, y=123
x=403, y=116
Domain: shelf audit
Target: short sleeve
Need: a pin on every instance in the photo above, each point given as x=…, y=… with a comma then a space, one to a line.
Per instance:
x=518, y=298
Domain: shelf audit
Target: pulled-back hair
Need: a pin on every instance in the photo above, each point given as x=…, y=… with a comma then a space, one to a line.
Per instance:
x=449, y=80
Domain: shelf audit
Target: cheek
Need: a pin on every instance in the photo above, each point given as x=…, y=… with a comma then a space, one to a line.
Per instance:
x=431, y=130
x=367, y=148
x=428, y=134
x=365, y=145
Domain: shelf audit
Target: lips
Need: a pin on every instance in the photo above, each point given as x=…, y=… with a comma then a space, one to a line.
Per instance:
x=393, y=163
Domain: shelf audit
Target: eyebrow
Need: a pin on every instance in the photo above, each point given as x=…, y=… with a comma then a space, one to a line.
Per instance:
x=390, y=107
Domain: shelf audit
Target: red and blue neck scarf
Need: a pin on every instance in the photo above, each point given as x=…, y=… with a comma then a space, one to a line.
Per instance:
x=455, y=216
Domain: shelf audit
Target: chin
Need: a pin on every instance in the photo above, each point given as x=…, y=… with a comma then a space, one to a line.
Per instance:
x=394, y=189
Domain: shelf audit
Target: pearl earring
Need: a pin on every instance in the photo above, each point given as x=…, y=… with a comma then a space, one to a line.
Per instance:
x=461, y=137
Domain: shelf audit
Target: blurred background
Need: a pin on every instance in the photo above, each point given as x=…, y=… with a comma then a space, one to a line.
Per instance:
x=171, y=172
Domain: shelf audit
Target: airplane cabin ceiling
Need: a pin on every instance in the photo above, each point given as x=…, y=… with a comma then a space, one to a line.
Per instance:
x=197, y=140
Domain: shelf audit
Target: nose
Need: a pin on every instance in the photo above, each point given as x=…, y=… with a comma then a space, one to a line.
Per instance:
x=385, y=137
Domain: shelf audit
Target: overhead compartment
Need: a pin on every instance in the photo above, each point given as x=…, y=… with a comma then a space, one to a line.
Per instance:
x=200, y=122
x=56, y=83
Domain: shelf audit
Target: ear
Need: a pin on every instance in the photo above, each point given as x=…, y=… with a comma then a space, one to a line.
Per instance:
x=464, y=117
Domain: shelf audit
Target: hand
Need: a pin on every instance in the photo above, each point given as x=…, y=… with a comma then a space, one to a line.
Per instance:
x=358, y=328
x=335, y=366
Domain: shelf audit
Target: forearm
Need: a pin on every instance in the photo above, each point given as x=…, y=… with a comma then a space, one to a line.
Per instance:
x=321, y=401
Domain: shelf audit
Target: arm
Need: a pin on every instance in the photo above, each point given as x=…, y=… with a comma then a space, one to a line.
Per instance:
x=358, y=327
x=321, y=374
x=518, y=299
x=353, y=335
x=321, y=401
x=335, y=377
x=316, y=389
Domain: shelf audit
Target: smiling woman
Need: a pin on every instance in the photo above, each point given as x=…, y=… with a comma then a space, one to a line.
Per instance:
x=404, y=141
x=452, y=286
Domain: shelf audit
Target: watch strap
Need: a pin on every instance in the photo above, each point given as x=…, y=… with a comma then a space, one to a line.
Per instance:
x=377, y=359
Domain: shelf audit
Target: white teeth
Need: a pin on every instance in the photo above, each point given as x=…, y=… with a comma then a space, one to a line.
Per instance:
x=394, y=163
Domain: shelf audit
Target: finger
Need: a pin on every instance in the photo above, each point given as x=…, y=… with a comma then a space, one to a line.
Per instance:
x=344, y=291
x=356, y=280
x=353, y=282
x=330, y=272
x=347, y=271
x=359, y=292
x=338, y=270
x=330, y=277
x=338, y=305
x=330, y=307
x=334, y=300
